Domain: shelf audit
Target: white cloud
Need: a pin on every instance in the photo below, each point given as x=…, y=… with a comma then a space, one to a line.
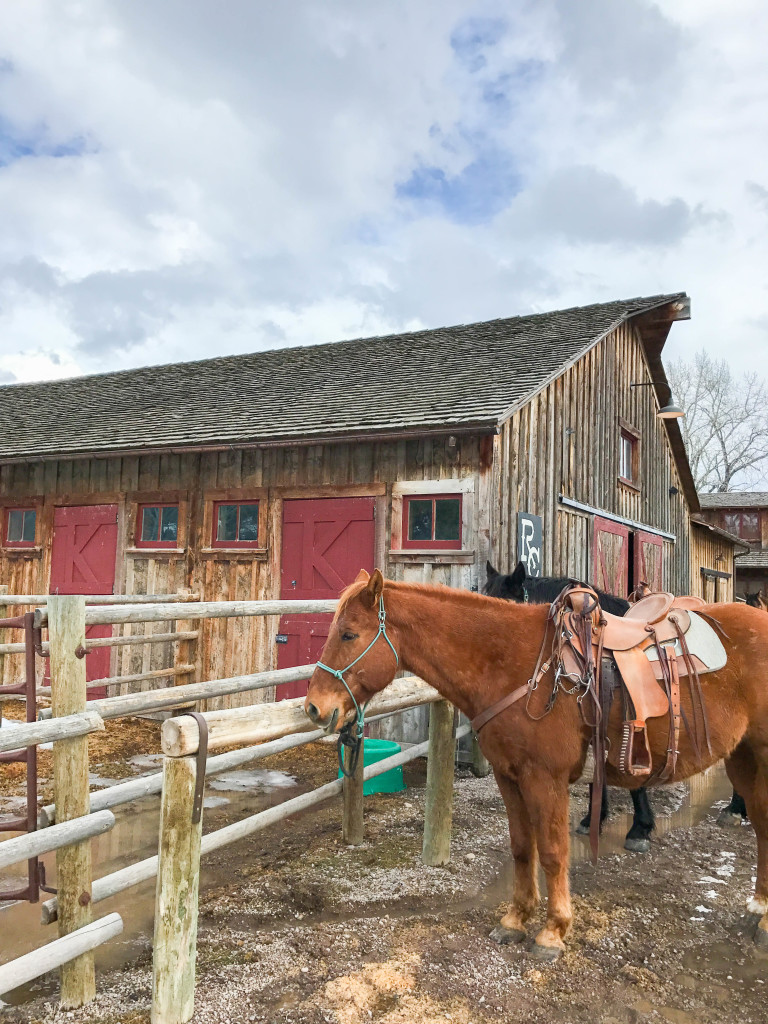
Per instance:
x=184, y=179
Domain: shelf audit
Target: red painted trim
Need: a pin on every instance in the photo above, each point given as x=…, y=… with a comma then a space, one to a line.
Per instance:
x=140, y=522
x=430, y=545
x=231, y=544
x=618, y=585
x=6, y=523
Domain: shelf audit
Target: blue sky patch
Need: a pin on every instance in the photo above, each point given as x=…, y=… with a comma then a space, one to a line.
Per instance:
x=472, y=36
x=17, y=145
x=476, y=194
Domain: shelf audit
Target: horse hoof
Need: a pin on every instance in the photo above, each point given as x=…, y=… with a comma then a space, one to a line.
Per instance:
x=582, y=829
x=761, y=938
x=727, y=819
x=547, y=953
x=637, y=845
x=505, y=936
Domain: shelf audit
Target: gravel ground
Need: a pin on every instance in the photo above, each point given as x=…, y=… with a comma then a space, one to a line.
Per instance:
x=310, y=931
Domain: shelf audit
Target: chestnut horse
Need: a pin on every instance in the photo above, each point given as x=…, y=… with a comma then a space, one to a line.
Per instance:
x=474, y=650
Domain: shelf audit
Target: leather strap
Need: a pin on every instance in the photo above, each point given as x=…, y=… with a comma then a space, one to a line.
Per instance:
x=495, y=709
x=671, y=674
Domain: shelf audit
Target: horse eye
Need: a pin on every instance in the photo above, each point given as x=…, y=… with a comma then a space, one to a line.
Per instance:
x=349, y=636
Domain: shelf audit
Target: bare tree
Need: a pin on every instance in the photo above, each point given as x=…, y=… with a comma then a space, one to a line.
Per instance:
x=725, y=425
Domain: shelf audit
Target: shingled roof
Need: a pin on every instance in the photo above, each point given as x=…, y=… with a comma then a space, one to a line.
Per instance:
x=735, y=499
x=471, y=375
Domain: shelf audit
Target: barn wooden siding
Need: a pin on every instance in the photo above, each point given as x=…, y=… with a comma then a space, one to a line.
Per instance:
x=565, y=440
x=233, y=646
x=708, y=550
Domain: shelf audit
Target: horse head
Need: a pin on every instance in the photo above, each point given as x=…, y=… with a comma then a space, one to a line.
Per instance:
x=358, y=659
x=510, y=587
x=756, y=600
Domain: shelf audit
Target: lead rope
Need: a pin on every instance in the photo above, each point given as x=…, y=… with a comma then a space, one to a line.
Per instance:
x=351, y=735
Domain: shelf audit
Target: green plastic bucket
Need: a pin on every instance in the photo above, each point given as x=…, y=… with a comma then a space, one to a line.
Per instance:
x=388, y=782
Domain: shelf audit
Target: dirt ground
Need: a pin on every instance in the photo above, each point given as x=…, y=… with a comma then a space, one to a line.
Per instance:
x=310, y=931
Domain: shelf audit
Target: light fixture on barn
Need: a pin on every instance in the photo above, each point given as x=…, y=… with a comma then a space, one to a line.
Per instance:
x=670, y=411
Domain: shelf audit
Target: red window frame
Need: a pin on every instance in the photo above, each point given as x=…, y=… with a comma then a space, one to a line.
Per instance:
x=431, y=545
x=140, y=523
x=7, y=523
x=235, y=543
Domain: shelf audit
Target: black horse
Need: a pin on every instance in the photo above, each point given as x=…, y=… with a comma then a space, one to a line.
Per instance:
x=519, y=586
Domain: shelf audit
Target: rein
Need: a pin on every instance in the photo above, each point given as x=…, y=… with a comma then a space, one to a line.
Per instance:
x=351, y=735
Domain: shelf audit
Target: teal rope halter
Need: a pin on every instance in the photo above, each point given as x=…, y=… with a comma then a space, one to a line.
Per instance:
x=352, y=734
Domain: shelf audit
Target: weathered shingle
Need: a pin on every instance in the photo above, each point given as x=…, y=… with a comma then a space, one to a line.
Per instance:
x=450, y=377
x=735, y=499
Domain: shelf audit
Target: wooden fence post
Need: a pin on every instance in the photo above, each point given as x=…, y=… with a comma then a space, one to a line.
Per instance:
x=353, y=825
x=439, y=802
x=176, y=898
x=481, y=766
x=66, y=630
x=4, y=634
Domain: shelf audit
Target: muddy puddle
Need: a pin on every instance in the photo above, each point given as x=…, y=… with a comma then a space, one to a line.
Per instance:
x=229, y=797
x=135, y=837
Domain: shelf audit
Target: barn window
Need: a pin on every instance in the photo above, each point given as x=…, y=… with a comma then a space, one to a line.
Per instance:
x=236, y=525
x=744, y=524
x=432, y=521
x=158, y=526
x=629, y=468
x=20, y=527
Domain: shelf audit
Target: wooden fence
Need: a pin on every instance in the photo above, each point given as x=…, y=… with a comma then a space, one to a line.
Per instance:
x=265, y=729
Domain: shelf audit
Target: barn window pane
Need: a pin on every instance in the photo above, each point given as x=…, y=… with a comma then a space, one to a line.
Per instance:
x=226, y=528
x=447, y=519
x=420, y=520
x=169, y=525
x=150, y=523
x=249, y=523
x=28, y=526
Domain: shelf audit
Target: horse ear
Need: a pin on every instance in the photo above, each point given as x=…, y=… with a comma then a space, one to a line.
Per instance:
x=372, y=592
x=362, y=577
x=519, y=574
x=490, y=572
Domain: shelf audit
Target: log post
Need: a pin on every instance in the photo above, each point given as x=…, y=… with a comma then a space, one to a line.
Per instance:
x=353, y=825
x=176, y=896
x=66, y=628
x=481, y=766
x=4, y=638
x=439, y=801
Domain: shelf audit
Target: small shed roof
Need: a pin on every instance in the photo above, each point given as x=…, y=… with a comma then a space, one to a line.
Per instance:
x=735, y=499
x=753, y=560
x=732, y=539
x=468, y=376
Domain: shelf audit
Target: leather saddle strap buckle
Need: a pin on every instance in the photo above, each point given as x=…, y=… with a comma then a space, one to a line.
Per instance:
x=201, y=759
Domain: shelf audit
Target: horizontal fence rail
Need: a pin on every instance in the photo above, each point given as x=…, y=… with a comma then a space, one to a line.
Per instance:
x=261, y=722
x=188, y=693
x=33, y=965
x=112, y=641
x=95, y=616
x=90, y=599
x=73, y=831
x=67, y=727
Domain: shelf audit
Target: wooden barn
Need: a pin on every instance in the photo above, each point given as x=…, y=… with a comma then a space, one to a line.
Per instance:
x=745, y=514
x=281, y=473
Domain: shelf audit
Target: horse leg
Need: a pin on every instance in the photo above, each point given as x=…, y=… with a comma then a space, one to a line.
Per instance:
x=525, y=891
x=546, y=798
x=582, y=828
x=747, y=769
x=734, y=814
x=638, y=838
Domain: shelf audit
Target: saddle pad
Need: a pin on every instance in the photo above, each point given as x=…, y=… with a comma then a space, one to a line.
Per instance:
x=703, y=643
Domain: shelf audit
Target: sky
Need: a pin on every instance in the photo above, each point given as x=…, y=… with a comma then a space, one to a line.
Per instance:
x=187, y=179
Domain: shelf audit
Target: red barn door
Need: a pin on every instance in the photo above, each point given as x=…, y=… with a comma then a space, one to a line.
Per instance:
x=649, y=552
x=83, y=555
x=326, y=542
x=610, y=562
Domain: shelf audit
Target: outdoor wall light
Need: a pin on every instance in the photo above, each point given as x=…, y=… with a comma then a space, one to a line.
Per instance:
x=671, y=411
